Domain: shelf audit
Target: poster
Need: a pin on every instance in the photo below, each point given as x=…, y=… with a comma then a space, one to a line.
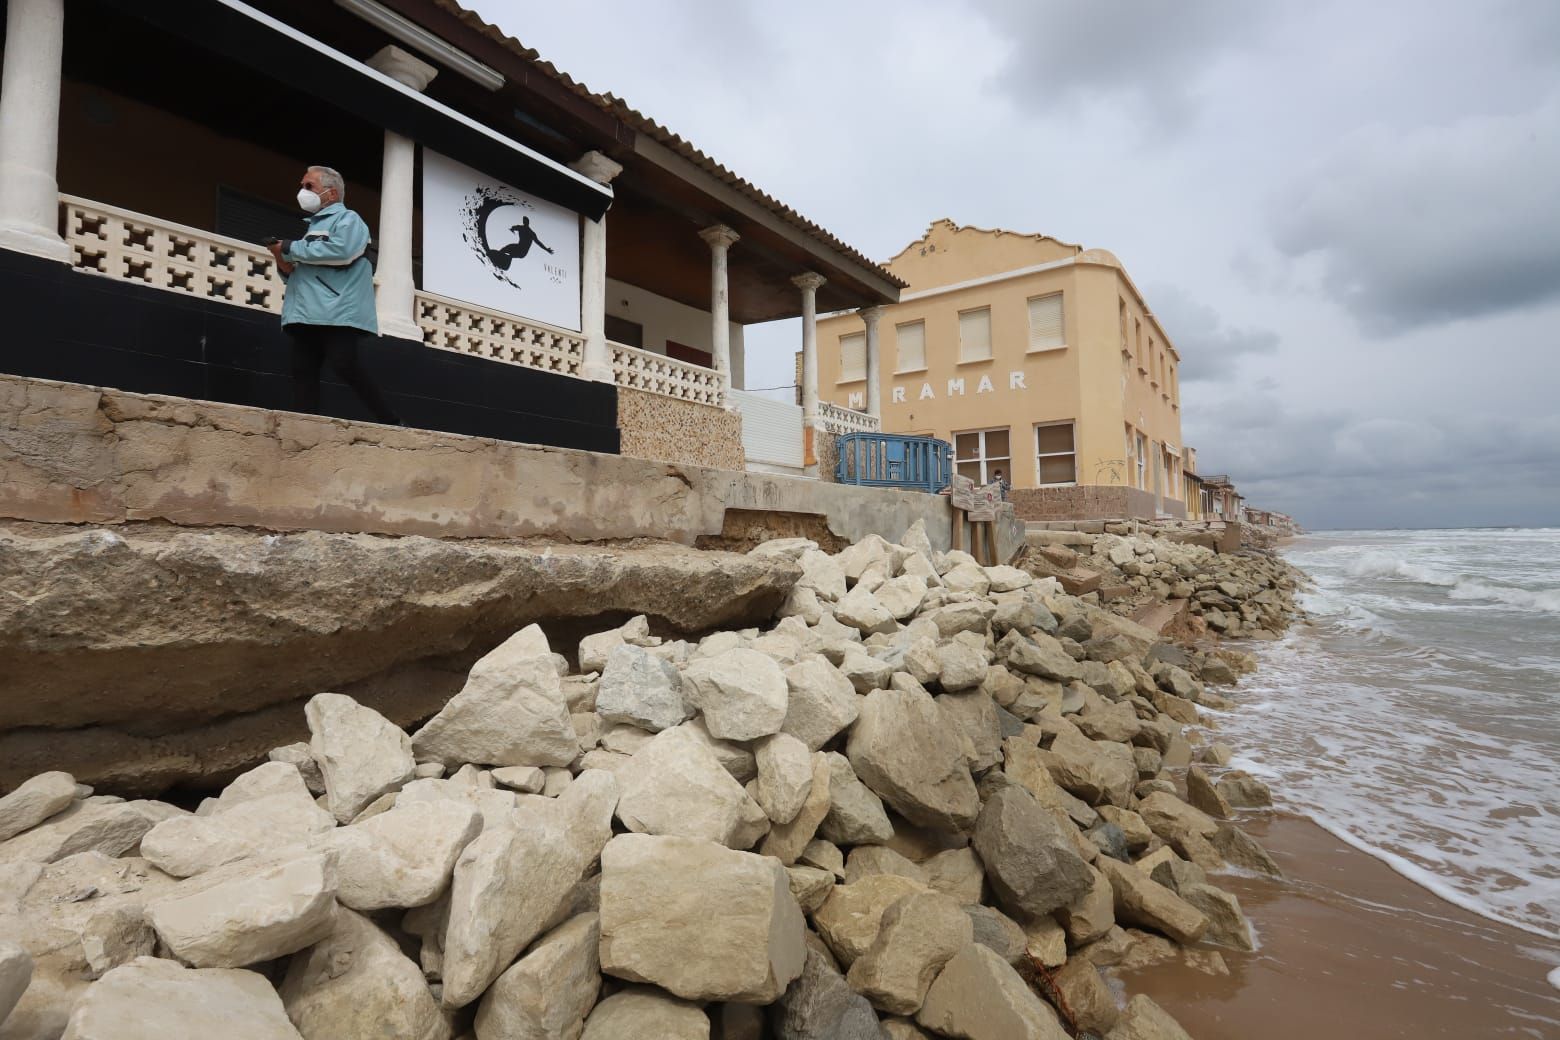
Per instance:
x=493, y=245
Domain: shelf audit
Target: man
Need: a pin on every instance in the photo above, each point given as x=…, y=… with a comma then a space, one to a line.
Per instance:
x=1003, y=487
x=330, y=294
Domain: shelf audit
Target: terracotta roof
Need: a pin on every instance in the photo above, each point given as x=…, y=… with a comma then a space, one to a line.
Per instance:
x=619, y=108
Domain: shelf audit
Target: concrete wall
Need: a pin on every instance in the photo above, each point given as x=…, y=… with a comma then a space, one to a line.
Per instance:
x=1085, y=503
x=666, y=429
x=76, y=454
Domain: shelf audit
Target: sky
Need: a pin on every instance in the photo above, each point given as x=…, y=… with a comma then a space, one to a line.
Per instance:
x=1346, y=215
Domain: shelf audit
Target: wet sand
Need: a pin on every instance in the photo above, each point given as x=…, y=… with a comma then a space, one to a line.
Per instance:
x=1351, y=950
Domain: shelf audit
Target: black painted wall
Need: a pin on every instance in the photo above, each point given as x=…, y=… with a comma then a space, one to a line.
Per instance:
x=80, y=328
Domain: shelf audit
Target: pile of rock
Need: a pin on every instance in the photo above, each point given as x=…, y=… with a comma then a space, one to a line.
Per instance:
x=935, y=799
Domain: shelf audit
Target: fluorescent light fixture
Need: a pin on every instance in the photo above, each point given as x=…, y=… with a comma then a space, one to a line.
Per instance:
x=414, y=35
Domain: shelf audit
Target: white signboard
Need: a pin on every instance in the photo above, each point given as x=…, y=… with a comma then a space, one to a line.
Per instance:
x=487, y=243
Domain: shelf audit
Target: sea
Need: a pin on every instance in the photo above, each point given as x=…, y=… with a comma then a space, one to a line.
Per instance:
x=1415, y=713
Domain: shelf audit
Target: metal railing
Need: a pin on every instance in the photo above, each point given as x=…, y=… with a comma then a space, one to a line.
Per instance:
x=894, y=460
x=846, y=420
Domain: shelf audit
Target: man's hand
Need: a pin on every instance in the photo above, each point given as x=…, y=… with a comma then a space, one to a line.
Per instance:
x=281, y=264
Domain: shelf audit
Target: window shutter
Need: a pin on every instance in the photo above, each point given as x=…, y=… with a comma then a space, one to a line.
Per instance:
x=911, y=344
x=853, y=357
x=1045, y=322
x=975, y=335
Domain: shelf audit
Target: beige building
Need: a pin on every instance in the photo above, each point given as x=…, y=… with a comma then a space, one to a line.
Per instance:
x=1035, y=358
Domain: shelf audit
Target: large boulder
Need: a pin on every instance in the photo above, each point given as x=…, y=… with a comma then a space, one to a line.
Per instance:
x=403, y=857
x=1030, y=860
x=360, y=753
x=787, y=841
x=1041, y=655
x=784, y=775
x=237, y=829
x=850, y=918
x=94, y=824
x=1144, y=902
x=742, y=694
x=640, y=1012
x=979, y=996
x=1145, y=1020
x=821, y=701
x=546, y=994
x=676, y=785
x=917, y=935
x=902, y=748
x=34, y=801
x=151, y=999
x=856, y=815
x=699, y=920
x=16, y=968
x=1094, y=770
x=641, y=689
x=356, y=984
x=820, y=1005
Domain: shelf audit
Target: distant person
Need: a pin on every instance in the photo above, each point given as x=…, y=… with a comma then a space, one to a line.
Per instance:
x=1003, y=487
x=329, y=301
x=525, y=236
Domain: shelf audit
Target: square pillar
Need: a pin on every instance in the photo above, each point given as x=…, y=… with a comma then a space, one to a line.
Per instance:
x=395, y=296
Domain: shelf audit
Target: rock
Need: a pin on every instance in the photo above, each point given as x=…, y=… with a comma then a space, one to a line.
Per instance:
x=1008, y=579
x=1173, y=872
x=862, y=611
x=1216, y=754
x=256, y=913
x=34, y=801
x=784, y=776
x=1132, y=827
x=187, y=845
x=1029, y=860
x=525, y=779
x=1217, y=672
x=640, y=1012
x=16, y=968
x=301, y=758
x=360, y=753
x=404, y=857
x=810, y=885
x=113, y=828
x=1116, y=722
x=1227, y=925
x=824, y=855
x=856, y=815
x=1201, y=793
x=976, y=715
x=1096, y=771
x=957, y=873
x=1244, y=791
x=849, y=920
x=640, y=690
x=877, y=859
x=1000, y=933
x=1241, y=850
x=790, y=548
x=1110, y=840
x=916, y=936
x=1025, y=764
x=150, y=999
x=116, y=935
x=356, y=984
x=652, y=887
x=787, y=841
x=546, y=994
x=1046, y=942
x=802, y=603
x=968, y=576
x=1092, y=914
x=1041, y=655
x=514, y=882
x=819, y=1005
x=511, y=712
x=979, y=996
x=742, y=693
x=595, y=649
x=822, y=574
x=1145, y=1020
x=1079, y=984
x=902, y=1029
x=676, y=785
x=1140, y=900
x=902, y=596
x=821, y=702
x=865, y=672
x=1172, y=819
x=960, y=667
x=901, y=748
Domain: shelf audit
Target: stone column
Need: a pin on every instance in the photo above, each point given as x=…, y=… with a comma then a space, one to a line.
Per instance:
x=30, y=129
x=720, y=238
x=870, y=316
x=396, y=287
x=597, y=365
x=809, y=284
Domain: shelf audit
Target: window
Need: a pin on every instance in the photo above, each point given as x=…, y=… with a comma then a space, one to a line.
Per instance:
x=979, y=454
x=975, y=335
x=1045, y=323
x=1153, y=379
x=910, y=344
x=1126, y=348
x=1142, y=462
x=853, y=357
x=1056, y=461
x=1137, y=348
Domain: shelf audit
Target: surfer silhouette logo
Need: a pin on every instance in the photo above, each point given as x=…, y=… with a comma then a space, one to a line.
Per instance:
x=499, y=257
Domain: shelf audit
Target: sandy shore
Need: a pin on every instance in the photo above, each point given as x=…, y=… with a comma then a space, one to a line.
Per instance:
x=1349, y=949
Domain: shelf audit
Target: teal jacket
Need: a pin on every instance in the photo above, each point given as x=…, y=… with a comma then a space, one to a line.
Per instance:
x=333, y=283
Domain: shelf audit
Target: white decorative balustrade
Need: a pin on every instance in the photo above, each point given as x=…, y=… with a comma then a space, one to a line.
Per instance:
x=658, y=374
x=131, y=247
x=846, y=420
x=468, y=329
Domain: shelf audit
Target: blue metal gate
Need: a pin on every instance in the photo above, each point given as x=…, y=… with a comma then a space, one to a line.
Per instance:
x=894, y=460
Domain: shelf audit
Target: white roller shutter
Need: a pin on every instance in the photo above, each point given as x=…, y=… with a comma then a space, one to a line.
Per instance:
x=975, y=335
x=853, y=357
x=911, y=346
x=1045, y=322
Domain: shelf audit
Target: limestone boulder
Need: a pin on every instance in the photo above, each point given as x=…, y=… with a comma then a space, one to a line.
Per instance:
x=1008, y=579
x=1244, y=791
x=547, y=994
x=979, y=996
x=1096, y=771
x=1145, y=1020
x=301, y=758
x=239, y=827
x=511, y=712
x=784, y=775
x=1116, y=722
x=902, y=749
x=810, y=885
x=956, y=872
x=1173, y=820
x=748, y=944
x=856, y=815
x=676, y=785
x=1142, y=901
x=524, y=779
x=1000, y=933
x=967, y=576
x=640, y=689
x=916, y=936
x=1203, y=795
x=640, y=1012
x=360, y=753
x=1227, y=925
x=255, y=913
x=16, y=969
x=1041, y=655
x=976, y=716
x=821, y=701
x=960, y=666
x=863, y=611
x=34, y=801
x=356, y=984
x=404, y=857
x=742, y=694
x=878, y=859
x=104, y=825
x=1241, y=850
x=864, y=671
x=1030, y=860
x=902, y=596
x=849, y=920
x=1083, y=991
x=822, y=574
x=787, y=841
x=820, y=1005
x=151, y=999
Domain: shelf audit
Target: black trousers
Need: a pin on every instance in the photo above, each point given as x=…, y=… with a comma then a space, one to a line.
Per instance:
x=312, y=346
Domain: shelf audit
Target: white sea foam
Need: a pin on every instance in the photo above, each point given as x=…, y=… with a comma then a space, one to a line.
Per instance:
x=1523, y=599
x=1554, y=977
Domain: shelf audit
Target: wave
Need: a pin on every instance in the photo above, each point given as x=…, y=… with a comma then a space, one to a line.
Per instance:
x=1461, y=587
x=1546, y=600
x=1390, y=565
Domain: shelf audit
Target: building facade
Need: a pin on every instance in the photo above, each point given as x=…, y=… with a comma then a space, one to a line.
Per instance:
x=1038, y=360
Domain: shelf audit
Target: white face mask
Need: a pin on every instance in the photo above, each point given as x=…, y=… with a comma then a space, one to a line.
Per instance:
x=308, y=201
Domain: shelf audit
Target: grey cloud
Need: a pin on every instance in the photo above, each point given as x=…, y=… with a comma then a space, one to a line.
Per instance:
x=1208, y=347
x=1434, y=224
